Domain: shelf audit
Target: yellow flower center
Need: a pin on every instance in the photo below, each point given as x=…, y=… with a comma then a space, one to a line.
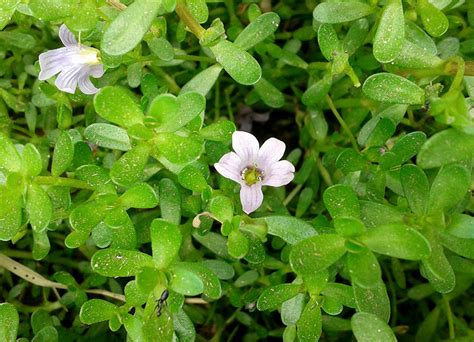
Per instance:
x=252, y=175
x=89, y=55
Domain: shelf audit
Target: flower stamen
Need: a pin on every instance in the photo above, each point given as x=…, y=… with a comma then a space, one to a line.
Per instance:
x=252, y=175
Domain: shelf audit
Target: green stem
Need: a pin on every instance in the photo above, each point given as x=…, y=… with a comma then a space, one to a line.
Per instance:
x=342, y=123
x=50, y=259
x=49, y=306
x=117, y=4
x=188, y=19
x=61, y=181
x=195, y=58
x=292, y=194
x=449, y=315
x=37, y=279
x=324, y=172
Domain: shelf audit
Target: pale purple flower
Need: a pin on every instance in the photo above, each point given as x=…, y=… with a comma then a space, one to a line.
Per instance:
x=74, y=62
x=253, y=166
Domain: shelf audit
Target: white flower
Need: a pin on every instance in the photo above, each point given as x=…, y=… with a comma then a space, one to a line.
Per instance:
x=252, y=167
x=74, y=62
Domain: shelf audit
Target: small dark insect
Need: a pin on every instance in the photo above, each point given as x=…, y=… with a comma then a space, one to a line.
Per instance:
x=161, y=301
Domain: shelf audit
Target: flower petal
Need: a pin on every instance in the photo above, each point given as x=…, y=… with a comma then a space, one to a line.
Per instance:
x=85, y=84
x=251, y=197
x=66, y=36
x=52, y=62
x=280, y=173
x=97, y=71
x=271, y=151
x=246, y=146
x=229, y=166
x=67, y=79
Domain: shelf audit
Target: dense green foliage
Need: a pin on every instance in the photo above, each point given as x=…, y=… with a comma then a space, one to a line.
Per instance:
x=114, y=221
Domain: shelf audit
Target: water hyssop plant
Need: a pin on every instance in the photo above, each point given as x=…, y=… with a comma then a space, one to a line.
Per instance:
x=222, y=170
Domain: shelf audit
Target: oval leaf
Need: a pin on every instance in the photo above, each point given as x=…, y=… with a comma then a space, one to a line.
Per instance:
x=390, y=88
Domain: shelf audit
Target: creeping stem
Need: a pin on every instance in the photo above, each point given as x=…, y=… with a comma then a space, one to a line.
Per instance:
x=188, y=19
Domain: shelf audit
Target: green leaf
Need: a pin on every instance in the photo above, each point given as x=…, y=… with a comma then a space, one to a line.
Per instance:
x=460, y=246
x=258, y=30
x=328, y=42
x=162, y=48
x=140, y=196
x=373, y=300
x=269, y=94
x=390, y=88
x=341, y=12
x=397, y=240
x=350, y=161
x=375, y=214
x=434, y=21
x=63, y=154
x=292, y=308
x=461, y=226
x=97, y=177
x=84, y=17
x=86, y=216
x=184, y=327
x=341, y=200
x=31, y=161
x=416, y=188
x=9, y=321
x=389, y=38
x=119, y=38
x=108, y=136
x=170, y=201
x=165, y=241
x=47, y=334
x=348, y=226
x=171, y=113
x=220, y=268
x=218, y=131
x=341, y=292
x=274, y=296
x=240, y=65
x=449, y=187
x=446, y=147
x=10, y=212
x=117, y=105
x=185, y=281
x=364, y=269
x=290, y=229
x=309, y=326
x=316, y=253
x=404, y=149
x=40, y=319
x=6, y=11
x=198, y=9
x=436, y=268
x=129, y=168
x=177, y=149
x=368, y=327
x=317, y=92
x=414, y=34
x=192, y=178
x=413, y=56
x=237, y=244
x=204, y=81
x=97, y=310
x=9, y=157
x=222, y=208
x=52, y=9
x=356, y=35
x=119, y=262
x=38, y=207
x=212, y=285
